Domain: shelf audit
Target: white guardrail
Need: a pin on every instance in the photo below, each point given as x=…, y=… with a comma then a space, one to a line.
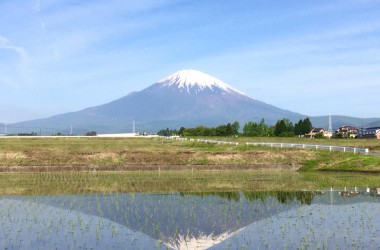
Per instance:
x=199, y=140
x=278, y=144
x=269, y=144
x=175, y=138
x=219, y=142
x=312, y=146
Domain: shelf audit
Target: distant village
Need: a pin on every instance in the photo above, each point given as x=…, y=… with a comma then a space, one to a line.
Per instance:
x=346, y=132
x=283, y=128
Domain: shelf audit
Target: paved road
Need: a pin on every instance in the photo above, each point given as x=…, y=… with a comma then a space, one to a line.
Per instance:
x=374, y=154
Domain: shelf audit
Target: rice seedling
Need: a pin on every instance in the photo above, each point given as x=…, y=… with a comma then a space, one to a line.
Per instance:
x=231, y=218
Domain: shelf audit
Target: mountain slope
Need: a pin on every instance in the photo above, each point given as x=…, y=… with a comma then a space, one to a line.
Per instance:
x=186, y=98
x=191, y=98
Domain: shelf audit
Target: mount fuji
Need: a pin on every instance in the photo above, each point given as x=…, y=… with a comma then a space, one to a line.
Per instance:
x=186, y=98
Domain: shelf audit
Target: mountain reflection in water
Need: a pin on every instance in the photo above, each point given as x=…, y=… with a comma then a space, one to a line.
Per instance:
x=192, y=220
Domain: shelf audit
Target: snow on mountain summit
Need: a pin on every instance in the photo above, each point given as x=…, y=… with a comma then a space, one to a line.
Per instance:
x=192, y=79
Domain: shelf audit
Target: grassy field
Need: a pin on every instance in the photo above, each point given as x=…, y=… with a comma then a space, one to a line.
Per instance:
x=86, y=165
x=46, y=183
x=73, y=154
x=372, y=144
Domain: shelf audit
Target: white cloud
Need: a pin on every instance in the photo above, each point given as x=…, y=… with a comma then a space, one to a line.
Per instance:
x=6, y=44
x=13, y=70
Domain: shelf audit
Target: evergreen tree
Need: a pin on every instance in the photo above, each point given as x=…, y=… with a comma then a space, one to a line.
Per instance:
x=284, y=127
x=229, y=129
x=263, y=128
x=307, y=126
x=298, y=127
x=167, y=132
x=221, y=130
x=236, y=127
x=280, y=128
x=303, y=127
x=181, y=131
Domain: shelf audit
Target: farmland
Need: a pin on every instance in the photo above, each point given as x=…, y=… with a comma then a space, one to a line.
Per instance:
x=152, y=193
x=202, y=220
x=48, y=183
x=109, y=154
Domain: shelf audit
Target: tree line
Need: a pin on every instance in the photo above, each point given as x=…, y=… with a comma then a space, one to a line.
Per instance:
x=282, y=128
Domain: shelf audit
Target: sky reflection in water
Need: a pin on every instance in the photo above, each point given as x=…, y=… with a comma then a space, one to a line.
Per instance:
x=185, y=221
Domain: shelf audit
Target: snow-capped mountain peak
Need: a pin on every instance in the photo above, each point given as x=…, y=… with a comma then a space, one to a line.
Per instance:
x=193, y=79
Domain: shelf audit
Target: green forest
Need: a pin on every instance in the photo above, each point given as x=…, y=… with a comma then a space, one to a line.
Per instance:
x=282, y=128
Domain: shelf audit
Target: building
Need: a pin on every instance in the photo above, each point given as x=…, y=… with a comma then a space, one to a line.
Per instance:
x=316, y=131
x=346, y=131
x=373, y=132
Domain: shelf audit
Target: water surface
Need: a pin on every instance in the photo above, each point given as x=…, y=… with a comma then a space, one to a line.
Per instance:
x=232, y=220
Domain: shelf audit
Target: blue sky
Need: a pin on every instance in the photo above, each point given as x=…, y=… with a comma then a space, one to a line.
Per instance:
x=312, y=57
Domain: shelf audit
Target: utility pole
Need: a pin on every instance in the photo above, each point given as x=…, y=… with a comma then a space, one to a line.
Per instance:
x=330, y=124
x=133, y=127
x=5, y=129
x=71, y=130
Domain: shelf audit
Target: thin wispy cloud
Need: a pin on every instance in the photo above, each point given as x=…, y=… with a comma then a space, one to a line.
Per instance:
x=55, y=49
x=6, y=44
x=14, y=64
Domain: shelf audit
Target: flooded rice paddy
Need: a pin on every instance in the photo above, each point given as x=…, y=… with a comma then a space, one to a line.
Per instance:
x=332, y=219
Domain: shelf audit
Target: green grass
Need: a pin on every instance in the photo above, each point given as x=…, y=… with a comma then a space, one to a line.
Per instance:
x=372, y=144
x=50, y=166
x=338, y=161
x=73, y=154
x=176, y=181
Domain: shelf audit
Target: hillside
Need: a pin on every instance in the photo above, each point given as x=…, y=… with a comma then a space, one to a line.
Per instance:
x=186, y=98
